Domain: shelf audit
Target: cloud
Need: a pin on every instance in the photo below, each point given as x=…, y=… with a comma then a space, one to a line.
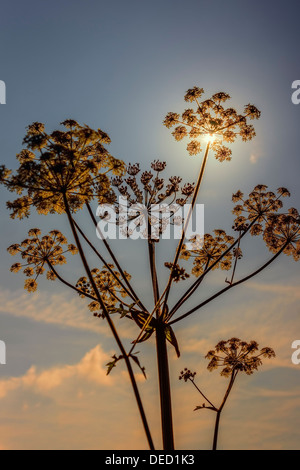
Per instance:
x=89, y=368
x=59, y=309
x=292, y=292
x=55, y=308
x=72, y=407
x=78, y=407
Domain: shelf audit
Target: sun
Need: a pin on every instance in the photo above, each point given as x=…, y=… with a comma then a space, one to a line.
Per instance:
x=209, y=138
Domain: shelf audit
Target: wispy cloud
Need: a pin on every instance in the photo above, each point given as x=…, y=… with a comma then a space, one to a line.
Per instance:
x=268, y=319
x=59, y=309
x=48, y=308
x=75, y=406
x=290, y=291
x=89, y=368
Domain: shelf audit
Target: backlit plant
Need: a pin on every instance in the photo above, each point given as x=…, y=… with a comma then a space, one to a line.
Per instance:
x=69, y=170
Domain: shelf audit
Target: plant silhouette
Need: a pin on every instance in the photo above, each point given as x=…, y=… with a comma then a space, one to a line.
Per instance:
x=233, y=356
x=67, y=171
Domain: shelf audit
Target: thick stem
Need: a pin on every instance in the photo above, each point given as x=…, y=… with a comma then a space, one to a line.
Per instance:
x=111, y=325
x=216, y=433
x=162, y=362
x=164, y=388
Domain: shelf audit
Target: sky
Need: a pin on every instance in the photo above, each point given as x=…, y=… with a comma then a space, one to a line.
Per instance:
x=122, y=66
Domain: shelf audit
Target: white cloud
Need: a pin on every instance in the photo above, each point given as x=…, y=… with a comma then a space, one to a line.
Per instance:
x=71, y=407
x=75, y=406
x=89, y=368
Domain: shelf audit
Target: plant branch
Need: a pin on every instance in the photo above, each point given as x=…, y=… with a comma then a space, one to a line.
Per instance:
x=202, y=394
x=69, y=284
x=222, y=291
x=104, y=261
x=235, y=262
x=111, y=325
x=196, y=284
x=114, y=258
x=217, y=424
x=186, y=222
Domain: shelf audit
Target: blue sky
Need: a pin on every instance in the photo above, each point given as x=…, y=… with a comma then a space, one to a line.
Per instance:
x=122, y=66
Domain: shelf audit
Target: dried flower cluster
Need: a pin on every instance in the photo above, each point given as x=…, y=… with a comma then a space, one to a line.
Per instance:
x=260, y=210
x=235, y=355
x=147, y=190
x=259, y=205
x=70, y=165
x=210, y=118
x=209, y=251
x=107, y=284
x=283, y=230
x=177, y=273
x=39, y=251
x=258, y=214
x=187, y=374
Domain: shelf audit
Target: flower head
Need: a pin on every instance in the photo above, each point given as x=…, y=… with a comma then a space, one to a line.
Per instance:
x=187, y=374
x=37, y=251
x=209, y=252
x=147, y=190
x=234, y=356
x=67, y=165
x=283, y=230
x=107, y=284
x=258, y=207
x=211, y=119
x=177, y=273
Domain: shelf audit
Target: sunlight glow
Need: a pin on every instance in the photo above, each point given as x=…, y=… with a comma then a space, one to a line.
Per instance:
x=209, y=138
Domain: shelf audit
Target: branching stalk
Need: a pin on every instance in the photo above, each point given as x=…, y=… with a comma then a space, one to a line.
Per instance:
x=186, y=222
x=111, y=325
x=222, y=291
x=162, y=362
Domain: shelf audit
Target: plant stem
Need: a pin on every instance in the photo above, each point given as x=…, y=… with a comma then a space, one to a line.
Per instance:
x=201, y=393
x=217, y=424
x=186, y=222
x=69, y=284
x=162, y=362
x=164, y=387
x=216, y=432
x=117, y=264
x=222, y=291
x=111, y=325
x=196, y=284
x=235, y=262
x=103, y=261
